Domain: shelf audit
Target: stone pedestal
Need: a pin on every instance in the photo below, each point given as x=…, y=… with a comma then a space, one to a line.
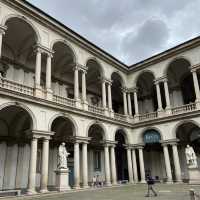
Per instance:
x=194, y=175
x=62, y=180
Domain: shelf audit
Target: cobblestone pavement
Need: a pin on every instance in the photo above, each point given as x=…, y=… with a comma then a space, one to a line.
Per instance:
x=137, y=192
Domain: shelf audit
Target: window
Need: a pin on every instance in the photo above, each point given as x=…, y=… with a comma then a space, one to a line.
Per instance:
x=97, y=160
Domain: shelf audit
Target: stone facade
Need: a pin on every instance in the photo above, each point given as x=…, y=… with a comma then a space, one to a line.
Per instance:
x=119, y=122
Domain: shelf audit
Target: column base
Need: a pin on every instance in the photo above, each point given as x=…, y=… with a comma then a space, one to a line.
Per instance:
x=78, y=103
x=169, y=182
x=86, y=186
x=111, y=113
x=106, y=112
x=168, y=111
x=49, y=94
x=136, y=118
x=44, y=191
x=38, y=92
x=160, y=112
x=31, y=191
x=143, y=182
x=85, y=105
x=197, y=104
x=76, y=187
x=108, y=184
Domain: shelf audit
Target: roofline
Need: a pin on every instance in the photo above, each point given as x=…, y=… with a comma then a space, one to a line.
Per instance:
x=167, y=53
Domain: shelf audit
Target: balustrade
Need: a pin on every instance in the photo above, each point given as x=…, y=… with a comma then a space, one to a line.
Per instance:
x=95, y=109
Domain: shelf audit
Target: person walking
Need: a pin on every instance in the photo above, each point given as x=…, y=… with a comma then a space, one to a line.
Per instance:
x=94, y=181
x=150, y=183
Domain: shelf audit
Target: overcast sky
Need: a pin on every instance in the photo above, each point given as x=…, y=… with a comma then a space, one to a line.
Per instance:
x=131, y=30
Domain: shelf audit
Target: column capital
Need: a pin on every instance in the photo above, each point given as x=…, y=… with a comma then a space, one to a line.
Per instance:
x=80, y=139
x=193, y=68
x=3, y=29
x=46, y=135
x=106, y=80
x=42, y=49
x=124, y=89
x=82, y=68
x=138, y=146
x=169, y=142
x=128, y=146
x=109, y=143
x=160, y=80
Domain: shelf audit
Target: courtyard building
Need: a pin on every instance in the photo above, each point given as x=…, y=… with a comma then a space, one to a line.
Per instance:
x=119, y=122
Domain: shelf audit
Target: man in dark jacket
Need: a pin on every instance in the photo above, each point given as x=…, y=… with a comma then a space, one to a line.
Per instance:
x=150, y=183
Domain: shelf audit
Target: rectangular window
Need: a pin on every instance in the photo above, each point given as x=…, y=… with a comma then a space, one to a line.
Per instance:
x=97, y=160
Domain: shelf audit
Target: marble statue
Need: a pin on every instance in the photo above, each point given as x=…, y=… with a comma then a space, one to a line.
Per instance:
x=62, y=156
x=191, y=157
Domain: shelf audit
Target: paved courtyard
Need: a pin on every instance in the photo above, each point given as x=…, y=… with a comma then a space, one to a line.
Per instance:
x=137, y=192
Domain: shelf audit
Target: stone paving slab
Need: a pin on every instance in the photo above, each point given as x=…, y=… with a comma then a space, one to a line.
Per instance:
x=131, y=192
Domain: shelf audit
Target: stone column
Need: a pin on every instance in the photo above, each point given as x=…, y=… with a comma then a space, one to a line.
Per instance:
x=176, y=162
x=196, y=84
x=38, y=68
x=2, y=32
x=104, y=104
x=32, y=167
x=107, y=165
x=168, y=105
x=48, y=72
x=142, y=170
x=84, y=98
x=109, y=96
x=158, y=96
x=167, y=163
x=136, y=102
x=76, y=83
x=76, y=166
x=135, y=173
x=129, y=104
x=85, y=165
x=45, y=165
x=125, y=100
x=130, y=167
x=113, y=165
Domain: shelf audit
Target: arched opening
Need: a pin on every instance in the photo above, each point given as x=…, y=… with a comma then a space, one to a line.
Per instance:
x=121, y=156
x=64, y=130
x=15, y=124
x=147, y=99
x=63, y=64
x=152, y=150
x=96, y=152
x=18, y=57
x=181, y=87
x=188, y=133
x=117, y=95
x=93, y=82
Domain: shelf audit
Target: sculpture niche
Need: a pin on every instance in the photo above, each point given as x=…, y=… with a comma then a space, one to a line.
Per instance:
x=62, y=173
x=193, y=171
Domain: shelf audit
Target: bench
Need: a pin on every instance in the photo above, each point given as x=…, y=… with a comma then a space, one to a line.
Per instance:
x=4, y=193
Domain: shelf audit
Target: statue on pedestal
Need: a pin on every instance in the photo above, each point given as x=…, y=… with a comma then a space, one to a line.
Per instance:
x=62, y=155
x=62, y=173
x=191, y=157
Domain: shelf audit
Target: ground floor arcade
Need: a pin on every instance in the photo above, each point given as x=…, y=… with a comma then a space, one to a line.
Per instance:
x=29, y=156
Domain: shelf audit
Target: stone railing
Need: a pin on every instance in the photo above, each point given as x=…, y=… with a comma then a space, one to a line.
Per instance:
x=95, y=109
x=147, y=116
x=64, y=101
x=185, y=108
x=120, y=116
x=17, y=87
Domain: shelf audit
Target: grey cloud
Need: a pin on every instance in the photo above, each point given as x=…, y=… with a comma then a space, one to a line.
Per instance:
x=149, y=39
x=129, y=29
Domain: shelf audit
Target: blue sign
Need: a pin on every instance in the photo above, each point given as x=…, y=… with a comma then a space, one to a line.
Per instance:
x=151, y=136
